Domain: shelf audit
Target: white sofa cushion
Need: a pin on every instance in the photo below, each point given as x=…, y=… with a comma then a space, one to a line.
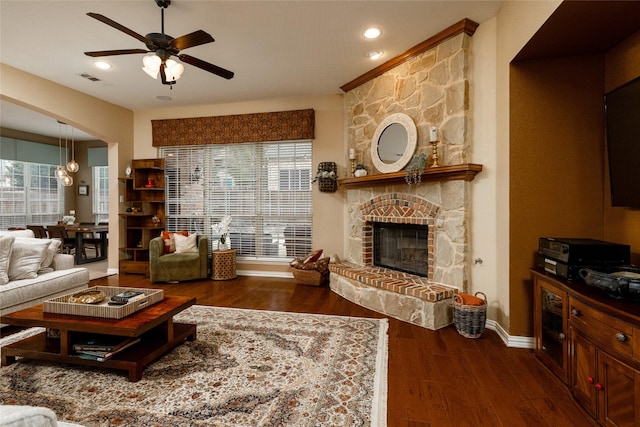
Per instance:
x=185, y=244
x=6, y=245
x=27, y=416
x=52, y=250
x=17, y=233
x=26, y=257
x=19, y=294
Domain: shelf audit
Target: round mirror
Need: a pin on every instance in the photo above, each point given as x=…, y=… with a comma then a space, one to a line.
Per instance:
x=393, y=143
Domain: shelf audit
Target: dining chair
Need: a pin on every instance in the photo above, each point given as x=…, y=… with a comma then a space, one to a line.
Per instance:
x=39, y=231
x=90, y=240
x=60, y=232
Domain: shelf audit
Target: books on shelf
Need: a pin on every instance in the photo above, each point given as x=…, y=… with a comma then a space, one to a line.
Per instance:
x=104, y=347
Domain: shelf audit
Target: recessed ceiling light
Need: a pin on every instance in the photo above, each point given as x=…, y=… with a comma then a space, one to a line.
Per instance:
x=372, y=33
x=163, y=98
x=103, y=65
x=374, y=54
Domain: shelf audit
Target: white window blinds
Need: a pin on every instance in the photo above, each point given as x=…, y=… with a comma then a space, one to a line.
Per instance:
x=29, y=194
x=100, y=197
x=265, y=187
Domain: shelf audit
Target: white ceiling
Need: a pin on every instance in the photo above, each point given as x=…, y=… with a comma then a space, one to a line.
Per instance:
x=277, y=49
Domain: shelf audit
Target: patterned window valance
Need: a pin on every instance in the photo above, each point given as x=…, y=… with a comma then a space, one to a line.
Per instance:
x=258, y=127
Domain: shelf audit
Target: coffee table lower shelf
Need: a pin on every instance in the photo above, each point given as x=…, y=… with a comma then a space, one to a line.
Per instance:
x=153, y=344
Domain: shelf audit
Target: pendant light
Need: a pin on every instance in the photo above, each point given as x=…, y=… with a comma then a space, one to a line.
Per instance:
x=67, y=180
x=60, y=171
x=73, y=166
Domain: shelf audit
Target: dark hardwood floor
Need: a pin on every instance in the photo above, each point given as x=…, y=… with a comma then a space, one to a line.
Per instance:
x=436, y=378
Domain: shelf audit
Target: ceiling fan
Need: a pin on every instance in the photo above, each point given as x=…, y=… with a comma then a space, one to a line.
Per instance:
x=161, y=47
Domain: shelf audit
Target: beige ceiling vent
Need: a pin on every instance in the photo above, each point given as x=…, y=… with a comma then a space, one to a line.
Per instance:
x=89, y=77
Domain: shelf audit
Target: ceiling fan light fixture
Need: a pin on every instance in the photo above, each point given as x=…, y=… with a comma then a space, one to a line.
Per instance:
x=174, y=70
x=151, y=64
x=153, y=74
x=160, y=46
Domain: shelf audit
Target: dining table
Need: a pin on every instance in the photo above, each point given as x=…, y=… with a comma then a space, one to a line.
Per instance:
x=81, y=231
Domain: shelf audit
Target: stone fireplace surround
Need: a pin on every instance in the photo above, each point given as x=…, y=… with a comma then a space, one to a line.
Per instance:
x=424, y=301
x=431, y=84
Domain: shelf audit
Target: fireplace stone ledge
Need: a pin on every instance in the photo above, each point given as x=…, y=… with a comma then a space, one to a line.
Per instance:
x=399, y=295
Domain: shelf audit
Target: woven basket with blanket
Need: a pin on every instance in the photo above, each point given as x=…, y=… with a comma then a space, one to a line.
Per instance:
x=470, y=314
x=311, y=270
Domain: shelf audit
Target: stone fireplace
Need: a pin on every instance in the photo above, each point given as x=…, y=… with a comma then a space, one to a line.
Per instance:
x=432, y=87
x=425, y=300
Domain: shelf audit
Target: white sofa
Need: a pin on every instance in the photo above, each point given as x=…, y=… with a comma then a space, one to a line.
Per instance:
x=29, y=416
x=31, y=271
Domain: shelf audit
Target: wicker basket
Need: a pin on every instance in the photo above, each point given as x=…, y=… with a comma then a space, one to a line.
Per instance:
x=310, y=277
x=328, y=185
x=469, y=320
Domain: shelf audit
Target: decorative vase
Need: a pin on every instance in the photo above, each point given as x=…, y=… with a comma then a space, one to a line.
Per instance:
x=224, y=246
x=360, y=172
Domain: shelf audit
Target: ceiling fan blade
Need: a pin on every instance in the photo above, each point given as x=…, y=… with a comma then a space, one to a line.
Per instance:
x=98, y=53
x=219, y=71
x=117, y=26
x=196, y=38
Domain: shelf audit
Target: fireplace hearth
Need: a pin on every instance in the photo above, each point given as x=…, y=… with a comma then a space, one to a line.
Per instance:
x=401, y=247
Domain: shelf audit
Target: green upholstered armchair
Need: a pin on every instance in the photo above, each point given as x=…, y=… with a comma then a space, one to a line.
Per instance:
x=177, y=267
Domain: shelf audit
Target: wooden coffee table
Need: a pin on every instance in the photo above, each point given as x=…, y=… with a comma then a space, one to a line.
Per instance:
x=154, y=325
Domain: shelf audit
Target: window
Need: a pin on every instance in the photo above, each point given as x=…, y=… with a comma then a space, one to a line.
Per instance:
x=265, y=187
x=29, y=194
x=100, y=197
x=295, y=179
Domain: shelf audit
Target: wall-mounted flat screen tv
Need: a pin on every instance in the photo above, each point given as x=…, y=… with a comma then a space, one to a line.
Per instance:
x=622, y=112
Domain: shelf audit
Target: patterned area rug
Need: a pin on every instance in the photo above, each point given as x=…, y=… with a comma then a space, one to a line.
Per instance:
x=246, y=368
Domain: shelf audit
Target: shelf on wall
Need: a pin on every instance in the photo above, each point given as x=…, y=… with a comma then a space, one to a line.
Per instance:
x=466, y=171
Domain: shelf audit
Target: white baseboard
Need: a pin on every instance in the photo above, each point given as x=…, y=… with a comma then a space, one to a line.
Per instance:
x=259, y=273
x=509, y=340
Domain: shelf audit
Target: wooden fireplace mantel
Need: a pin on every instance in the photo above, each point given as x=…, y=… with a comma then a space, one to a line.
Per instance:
x=466, y=171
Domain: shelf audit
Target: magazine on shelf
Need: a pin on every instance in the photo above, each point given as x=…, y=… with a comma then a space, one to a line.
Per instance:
x=106, y=343
x=101, y=356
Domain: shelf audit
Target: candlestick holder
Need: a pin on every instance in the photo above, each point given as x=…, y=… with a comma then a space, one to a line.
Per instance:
x=434, y=154
x=353, y=167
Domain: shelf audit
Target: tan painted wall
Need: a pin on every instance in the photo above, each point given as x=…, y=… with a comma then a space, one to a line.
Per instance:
x=622, y=224
x=83, y=204
x=483, y=209
x=105, y=121
x=517, y=22
x=327, y=146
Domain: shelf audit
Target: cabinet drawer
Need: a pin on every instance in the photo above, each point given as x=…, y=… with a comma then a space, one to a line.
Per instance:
x=606, y=331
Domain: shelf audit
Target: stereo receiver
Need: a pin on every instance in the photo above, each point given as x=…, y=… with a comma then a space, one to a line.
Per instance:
x=584, y=252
